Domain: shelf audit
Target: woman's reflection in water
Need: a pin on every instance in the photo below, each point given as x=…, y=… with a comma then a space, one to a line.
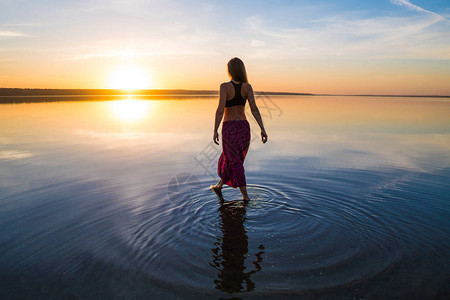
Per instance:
x=231, y=249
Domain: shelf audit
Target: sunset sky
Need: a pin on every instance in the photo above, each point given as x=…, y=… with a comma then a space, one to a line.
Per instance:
x=353, y=46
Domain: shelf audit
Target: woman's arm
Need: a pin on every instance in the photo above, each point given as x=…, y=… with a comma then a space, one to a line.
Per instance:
x=219, y=112
x=255, y=113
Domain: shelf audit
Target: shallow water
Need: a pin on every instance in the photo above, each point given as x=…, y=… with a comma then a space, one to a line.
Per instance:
x=110, y=199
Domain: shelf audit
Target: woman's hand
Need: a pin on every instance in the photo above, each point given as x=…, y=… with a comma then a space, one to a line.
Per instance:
x=216, y=137
x=264, y=136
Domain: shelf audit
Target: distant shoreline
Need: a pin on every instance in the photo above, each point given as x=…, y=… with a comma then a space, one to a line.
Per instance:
x=29, y=95
x=113, y=92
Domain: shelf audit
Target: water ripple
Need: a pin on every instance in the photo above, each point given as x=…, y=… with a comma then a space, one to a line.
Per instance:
x=314, y=235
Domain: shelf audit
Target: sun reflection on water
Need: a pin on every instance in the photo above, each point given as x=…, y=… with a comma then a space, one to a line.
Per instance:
x=130, y=110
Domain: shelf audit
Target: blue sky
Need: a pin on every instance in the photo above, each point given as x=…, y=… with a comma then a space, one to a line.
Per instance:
x=47, y=42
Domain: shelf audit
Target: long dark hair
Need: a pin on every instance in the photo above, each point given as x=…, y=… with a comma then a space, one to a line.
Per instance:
x=236, y=70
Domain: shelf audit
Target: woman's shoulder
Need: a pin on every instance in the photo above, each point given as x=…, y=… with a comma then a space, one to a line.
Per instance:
x=225, y=84
x=247, y=86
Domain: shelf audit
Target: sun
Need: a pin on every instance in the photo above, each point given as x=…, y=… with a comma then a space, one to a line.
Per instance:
x=129, y=77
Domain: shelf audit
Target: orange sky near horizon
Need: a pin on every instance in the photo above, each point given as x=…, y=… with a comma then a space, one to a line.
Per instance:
x=308, y=77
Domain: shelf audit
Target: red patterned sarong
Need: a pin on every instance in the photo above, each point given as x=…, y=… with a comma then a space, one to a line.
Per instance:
x=235, y=143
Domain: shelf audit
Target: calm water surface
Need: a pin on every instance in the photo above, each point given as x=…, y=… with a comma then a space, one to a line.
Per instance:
x=110, y=200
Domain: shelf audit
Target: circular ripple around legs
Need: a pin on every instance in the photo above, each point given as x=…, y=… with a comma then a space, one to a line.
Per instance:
x=308, y=238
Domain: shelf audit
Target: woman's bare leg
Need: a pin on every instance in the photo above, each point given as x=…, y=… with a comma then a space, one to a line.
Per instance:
x=244, y=193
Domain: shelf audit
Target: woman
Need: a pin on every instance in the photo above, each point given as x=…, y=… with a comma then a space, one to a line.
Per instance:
x=235, y=127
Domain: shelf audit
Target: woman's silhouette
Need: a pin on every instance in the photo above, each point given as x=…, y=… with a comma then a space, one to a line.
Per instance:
x=231, y=249
x=235, y=127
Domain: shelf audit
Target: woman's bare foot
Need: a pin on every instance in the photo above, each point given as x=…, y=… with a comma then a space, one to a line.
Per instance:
x=218, y=186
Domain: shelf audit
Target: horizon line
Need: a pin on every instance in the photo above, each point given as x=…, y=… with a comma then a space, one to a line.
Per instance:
x=24, y=92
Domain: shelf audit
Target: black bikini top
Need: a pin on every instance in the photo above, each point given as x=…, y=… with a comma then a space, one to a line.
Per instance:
x=237, y=99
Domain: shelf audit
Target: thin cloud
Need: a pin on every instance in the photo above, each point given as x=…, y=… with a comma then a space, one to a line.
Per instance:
x=414, y=7
x=386, y=37
x=20, y=25
x=12, y=34
x=106, y=55
x=14, y=155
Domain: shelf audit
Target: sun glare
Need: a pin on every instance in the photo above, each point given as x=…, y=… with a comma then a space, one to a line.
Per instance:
x=130, y=110
x=129, y=77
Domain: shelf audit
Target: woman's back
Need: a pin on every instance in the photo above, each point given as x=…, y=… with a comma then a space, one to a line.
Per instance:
x=236, y=111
